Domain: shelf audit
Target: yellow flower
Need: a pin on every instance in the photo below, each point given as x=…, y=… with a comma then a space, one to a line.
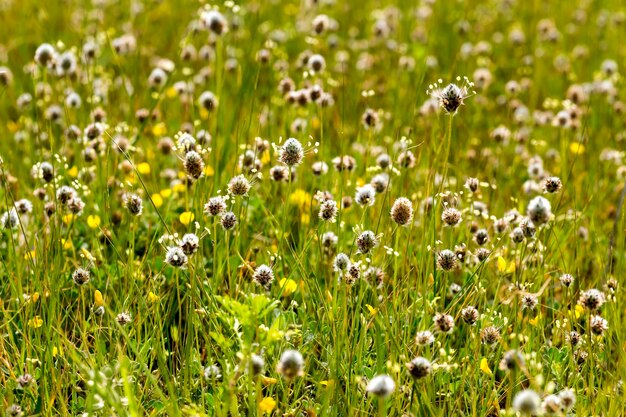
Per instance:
x=484, y=366
x=186, y=217
x=578, y=310
x=266, y=380
x=265, y=158
x=153, y=298
x=327, y=383
x=166, y=193
x=157, y=200
x=288, y=286
x=68, y=218
x=143, y=168
x=535, y=320
x=98, y=300
x=204, y=113
x=209, y=171
x=56, y=351
x=179, y=188
x=171, y=92
x=501, y=264
x=87, y=254
x=93, y=221
x=35, y=297
x=305, y=218
x=371, y=309
x=36, y=322
x=300, y=198
x=67, y=244
x=73, y=171
x=159, y=129
x=267, y=405
x=577, y=148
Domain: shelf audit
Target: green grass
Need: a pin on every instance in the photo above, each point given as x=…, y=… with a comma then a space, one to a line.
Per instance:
x=212, y=312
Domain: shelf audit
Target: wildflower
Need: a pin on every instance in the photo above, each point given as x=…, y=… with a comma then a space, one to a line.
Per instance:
x=239, y=186
x=175, y=256
x=419, y=367
x=573, y=338
x=370, y=119
x=316, y=63
x=444, y=323
x=472, y=184
x=452, y=96
x=10, y=219
x=212, y=373
x=511, y=360
x=291, y=153
x=481, y=236
x=291, y=364
x=14, y=411
x=214, y=21
x=328, y=210
x=527, y=402
x=189, y=244
x=598, y=325
x=402, y=211
x=75, y=205
x=215, y=206
x=341, y=262
x=469, y=315
x=353, y=274
x=365, y=196
x=263, y=276
x=568, y=399
x=366, y=241
x=123, y=318
x=381, y=386
x=24, y=206
x=380, y=182
x=134, y=204
x=228, y=220
x=539, y=210
x=80, y=276
x=45, y=54
x=65, y=194
x=529, y=301
x=552, y=184
x=592, y=299
x=208, y=101
x=424, y=338
x=157, y=78
x=451, y=216
x=267, y=405
x=344, y=163
x=25, y=380
x=490, y=335
x=257, y=363
x=319, y=168
x=552, y=405
x=446, y=260
x=193, y=164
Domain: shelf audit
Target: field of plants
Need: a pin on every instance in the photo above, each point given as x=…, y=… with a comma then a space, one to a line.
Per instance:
x=312, y=208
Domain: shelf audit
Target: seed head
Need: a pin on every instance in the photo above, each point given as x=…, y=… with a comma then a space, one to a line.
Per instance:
x=446, y=260
x=366, y=241
x=328, y=210
x=291, y=153
x=424, y=338
x=291, y=364
x=215, y=206
x=539, y=210
x=365, y=196
x=490, y=335
x=176, y=257
x=228, y=220
x=451, y=216
x=239, y=186
x=194, y=165
x=470, y=315
x=381, y=386
x=263, y=276
x=592, y=299
x=527, y=402
x=419, y=367
x=134, y=204
x=189, y=244
x=80, y=276
x=402, y=211
x=444, y=323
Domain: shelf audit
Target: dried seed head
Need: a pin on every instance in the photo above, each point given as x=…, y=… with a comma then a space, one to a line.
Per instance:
x=566, y=280
x=239, y=186
x=592, y=299
x=451, y=216
x=366, y=241
x=511, y=360
x=481, y=237
x=134, y=204
x=365, y=196
x=402, y=211
x=539, y=210
x=80, y=276
x=470, y=315
x=176, y=257
x=444, y=323
x=419, y=367
x=328, y=210
x=291, y=153
x=490, y=335
x=598, y=325
x=194, y=165
x=552, y=184
x=123, y=318
x=228, y=220
x=341, y=262
x=472, y=184
x=446, y=260
x=529, y=302
x=381, y=386
x=263, y=276
x=527, y=402
x=291, y=364
x=424, y=338
x=215, y=206
x=189, y=244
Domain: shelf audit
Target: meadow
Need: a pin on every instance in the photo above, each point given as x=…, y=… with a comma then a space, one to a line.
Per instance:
x=312, y=208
